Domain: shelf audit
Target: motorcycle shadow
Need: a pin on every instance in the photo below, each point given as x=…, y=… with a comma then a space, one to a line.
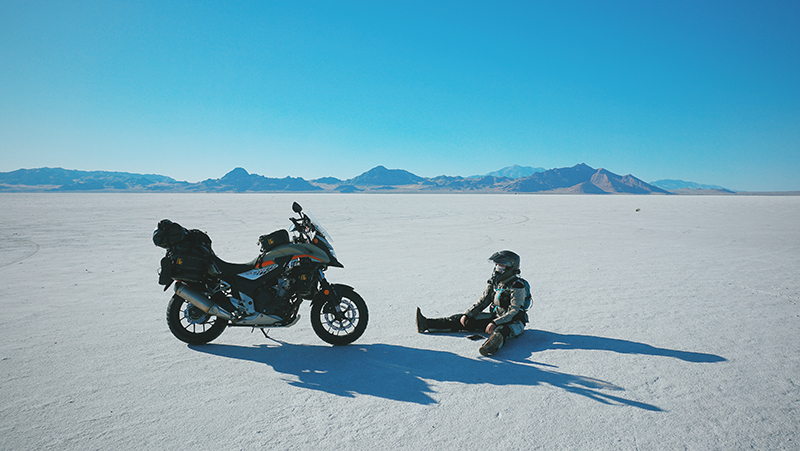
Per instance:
x=407, y=374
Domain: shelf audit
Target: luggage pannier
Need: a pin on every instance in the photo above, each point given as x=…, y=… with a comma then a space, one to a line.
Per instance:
x=188, y=253
x=273, y=240
x=165, y=274
x=189, y=262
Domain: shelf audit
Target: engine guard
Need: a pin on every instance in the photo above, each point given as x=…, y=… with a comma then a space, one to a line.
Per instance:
x=261, y=320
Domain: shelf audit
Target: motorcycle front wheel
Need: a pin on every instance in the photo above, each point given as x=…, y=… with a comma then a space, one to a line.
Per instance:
x=343, y=322
x=191, y=325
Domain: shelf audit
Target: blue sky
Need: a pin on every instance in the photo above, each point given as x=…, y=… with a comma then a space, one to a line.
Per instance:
x=703, y=91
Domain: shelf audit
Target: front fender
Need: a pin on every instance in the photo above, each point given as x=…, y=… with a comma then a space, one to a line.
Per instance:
x=331, y=292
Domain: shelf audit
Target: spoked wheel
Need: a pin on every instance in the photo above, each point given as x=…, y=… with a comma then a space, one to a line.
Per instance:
x=192, y=325
x=340, y=323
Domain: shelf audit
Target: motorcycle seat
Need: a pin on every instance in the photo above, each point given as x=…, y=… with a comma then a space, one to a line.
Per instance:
x=230, y=269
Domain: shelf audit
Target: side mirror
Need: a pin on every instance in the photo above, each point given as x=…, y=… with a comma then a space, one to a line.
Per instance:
x=296, y=207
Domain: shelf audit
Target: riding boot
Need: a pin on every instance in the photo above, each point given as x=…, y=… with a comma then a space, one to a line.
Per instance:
x=422, y=322
x=495, y=341
x=449, y=324
x=492, y=344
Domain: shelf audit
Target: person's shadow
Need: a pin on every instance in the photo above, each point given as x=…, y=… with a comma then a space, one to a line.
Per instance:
x=401, y=373
x=543, y=340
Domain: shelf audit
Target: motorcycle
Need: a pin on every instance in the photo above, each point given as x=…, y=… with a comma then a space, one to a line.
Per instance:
x=212, y=294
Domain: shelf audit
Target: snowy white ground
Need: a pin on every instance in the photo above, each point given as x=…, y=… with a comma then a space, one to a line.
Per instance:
x=659, y=322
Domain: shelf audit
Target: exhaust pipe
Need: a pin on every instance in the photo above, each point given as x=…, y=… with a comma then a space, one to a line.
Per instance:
x=200, y=301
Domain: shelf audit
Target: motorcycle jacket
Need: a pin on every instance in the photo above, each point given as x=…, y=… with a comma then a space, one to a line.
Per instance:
x=508, y=301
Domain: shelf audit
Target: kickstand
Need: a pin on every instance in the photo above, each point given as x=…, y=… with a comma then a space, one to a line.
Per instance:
x=263, y=331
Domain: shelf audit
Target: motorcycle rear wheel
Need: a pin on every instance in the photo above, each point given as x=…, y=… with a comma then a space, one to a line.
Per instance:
x=191, y=325
x=342, y=323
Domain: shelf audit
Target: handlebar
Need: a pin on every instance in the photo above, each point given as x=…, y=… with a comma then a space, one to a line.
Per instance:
x=303, y=226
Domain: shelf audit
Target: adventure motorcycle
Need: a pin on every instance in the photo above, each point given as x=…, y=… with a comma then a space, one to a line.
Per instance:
x=211, y=294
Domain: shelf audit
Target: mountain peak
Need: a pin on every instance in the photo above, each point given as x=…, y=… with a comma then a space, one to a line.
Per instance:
x=236, y=173
x=379, y=175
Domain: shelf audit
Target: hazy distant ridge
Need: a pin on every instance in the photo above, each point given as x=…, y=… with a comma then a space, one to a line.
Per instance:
x=515, y=171
x=680, y=184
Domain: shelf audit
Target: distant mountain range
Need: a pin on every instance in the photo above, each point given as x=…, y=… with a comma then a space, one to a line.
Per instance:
x=579, y=179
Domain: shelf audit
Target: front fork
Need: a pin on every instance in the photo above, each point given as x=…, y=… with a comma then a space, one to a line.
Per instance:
x=329, y=296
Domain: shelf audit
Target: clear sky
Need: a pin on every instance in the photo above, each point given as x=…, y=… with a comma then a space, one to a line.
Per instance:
x=703, y=91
